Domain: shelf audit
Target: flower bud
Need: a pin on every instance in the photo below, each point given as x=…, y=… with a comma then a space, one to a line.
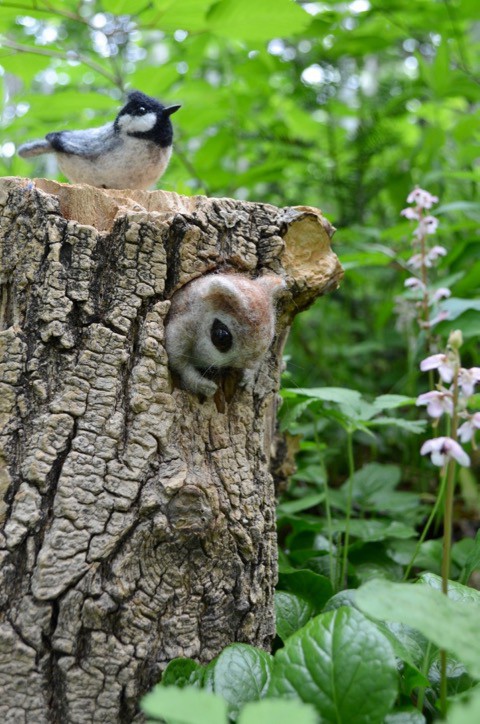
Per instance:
x=455, y=339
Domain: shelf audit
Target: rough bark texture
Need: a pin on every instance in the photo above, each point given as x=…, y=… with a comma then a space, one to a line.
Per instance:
x=136, y=520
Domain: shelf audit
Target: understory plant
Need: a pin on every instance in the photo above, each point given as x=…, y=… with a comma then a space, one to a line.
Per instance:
x=374, y=620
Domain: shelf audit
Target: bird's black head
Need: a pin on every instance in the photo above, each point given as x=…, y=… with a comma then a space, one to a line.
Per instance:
x=145, y=117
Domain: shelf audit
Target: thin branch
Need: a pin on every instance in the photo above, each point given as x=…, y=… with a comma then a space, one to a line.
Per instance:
x=69, y=55
x=47, y=9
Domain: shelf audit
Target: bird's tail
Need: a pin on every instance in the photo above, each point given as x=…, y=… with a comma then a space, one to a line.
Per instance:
x=34, y=148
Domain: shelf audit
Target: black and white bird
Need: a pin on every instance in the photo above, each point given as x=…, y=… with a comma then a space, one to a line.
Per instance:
x=132, y=152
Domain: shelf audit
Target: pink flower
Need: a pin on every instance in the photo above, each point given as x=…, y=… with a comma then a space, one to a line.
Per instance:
x=467, y=379
x=466, y=431
x=414, y=283
x=441, y=293
x=441, y=316
x=437, y=403
x=440, y=362
x=427, y=225
x=432, y=256
x=415, y=261
x=422, y=198
x=410, y=213
x=443, y=449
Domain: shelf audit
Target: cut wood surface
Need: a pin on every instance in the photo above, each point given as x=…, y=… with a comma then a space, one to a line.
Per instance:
x=136, y=519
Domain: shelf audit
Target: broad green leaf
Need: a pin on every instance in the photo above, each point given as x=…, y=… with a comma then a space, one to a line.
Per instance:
x=391, y=402
x=312, y=587
x=340, y=663
x=277, y=711
x=450, y=624
x=182, y=673
x=405, y=716
x=257, y=21
x=455, y=307
x=307, y=501
x=466, y=713
x=291, y=613
x=184, y=706
x=456, y=591
x=239, y=674
x=374, y=530
x=473, y=560
x=414, y=426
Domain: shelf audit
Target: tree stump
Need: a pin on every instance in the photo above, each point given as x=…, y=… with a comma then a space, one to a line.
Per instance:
x=136, y=519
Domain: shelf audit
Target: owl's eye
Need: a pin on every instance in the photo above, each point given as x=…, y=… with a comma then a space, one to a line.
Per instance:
x=221, y=336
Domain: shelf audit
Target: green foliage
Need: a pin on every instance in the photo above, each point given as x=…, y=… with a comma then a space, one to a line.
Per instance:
x=345, y=106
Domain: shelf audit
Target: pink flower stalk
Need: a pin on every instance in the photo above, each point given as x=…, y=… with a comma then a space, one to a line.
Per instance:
x=443, y=449
x=437, y=403
x=440, y=362
x=422, y=198
x=414, y=283
x=467, y=379
x=441, y=293
x=467, y=430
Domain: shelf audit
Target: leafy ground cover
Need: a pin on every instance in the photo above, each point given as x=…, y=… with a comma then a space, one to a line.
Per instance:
x=353, y=107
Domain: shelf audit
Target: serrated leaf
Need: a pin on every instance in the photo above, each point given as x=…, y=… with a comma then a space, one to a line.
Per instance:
x=340, y=663
x=451, y=625
x=184, y=706
x=240, y=673
x=291, y=613
x=182, y=673
x=312, y=587
x=277, y=711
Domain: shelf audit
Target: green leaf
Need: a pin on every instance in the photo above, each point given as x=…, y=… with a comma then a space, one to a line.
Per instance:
x=291, y=613
x=277, y=711
x=452, y=625
x=374, y=530
x=239, y=674
x=473, y=559
x=257, y=21
x=184, y=706
x=340, y=663
x=455, y=307
x=182, y=673
x=312, y=587
x=456, y=591
x=467, y=713
x=390, y=402
x=307, y=501
x=406, y=716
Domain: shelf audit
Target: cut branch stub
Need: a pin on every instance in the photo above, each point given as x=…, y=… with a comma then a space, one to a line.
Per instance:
x=136, y=519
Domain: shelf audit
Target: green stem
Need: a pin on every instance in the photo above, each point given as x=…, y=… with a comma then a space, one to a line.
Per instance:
x=433, y=513
x=351, y=471
x=328, y=511
x=424, y=670
x=447, y=538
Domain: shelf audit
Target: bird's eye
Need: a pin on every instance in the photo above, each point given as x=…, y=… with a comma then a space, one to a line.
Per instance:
x=221, y=336
x=142, y=109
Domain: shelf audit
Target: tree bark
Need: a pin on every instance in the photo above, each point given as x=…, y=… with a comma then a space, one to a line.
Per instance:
x=136, y=519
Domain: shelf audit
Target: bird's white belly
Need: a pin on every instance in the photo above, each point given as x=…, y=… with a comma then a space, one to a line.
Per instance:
x=132, y=164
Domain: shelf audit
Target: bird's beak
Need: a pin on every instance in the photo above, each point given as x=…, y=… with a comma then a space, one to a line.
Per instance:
x=171, y=109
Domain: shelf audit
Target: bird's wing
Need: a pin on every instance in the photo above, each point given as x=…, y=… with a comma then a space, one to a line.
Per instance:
x=34, y=148
x=89, y=144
